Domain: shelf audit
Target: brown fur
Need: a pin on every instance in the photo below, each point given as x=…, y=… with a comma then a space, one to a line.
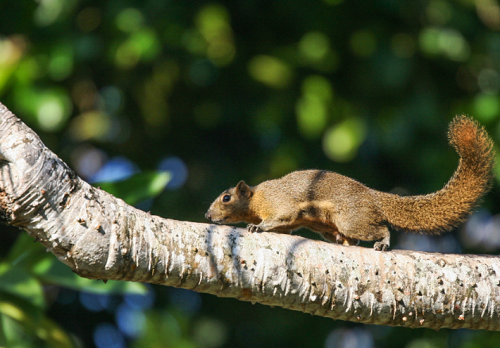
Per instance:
x=344, y=210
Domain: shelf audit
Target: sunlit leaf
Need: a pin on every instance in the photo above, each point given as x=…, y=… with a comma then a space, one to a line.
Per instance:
x=3, y=339
x=31, y=258
x=50, y=270
x=25, y=252
x=31, y=320
x=18, y=282
x=50, y=332
x=138, y=187
x=18, y=308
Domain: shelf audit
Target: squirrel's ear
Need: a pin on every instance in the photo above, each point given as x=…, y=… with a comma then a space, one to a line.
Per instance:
x=243, y=189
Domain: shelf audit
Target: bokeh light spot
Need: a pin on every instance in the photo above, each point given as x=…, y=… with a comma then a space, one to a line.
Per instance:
x=61, y=63
x=314, y=45
x=87, y=160
x=48, y=11
x=213, y=22
x=489, y=81
x=129, y=20
x=312, y=107
x=130, y=321
x=270, y=71
x=90, y=125
x=51, y=114
x=341, y=142
x=108, y=336
x=311, y=115
x=447, y=42
x=94, y=302
x=210, y=333
x=343, y=337
x=145, y=301
x=177, y=168
x=118, y=168
x=486, y=107
x=141, y=45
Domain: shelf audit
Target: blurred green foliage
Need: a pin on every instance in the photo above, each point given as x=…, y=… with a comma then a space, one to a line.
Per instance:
x=138, y=187
x=28, y=268
x=215, y=92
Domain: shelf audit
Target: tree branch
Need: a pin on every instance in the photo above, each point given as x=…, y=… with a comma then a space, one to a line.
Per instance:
x=101, y=237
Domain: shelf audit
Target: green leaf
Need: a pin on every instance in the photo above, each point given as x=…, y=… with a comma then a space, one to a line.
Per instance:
x=50, y=270
x=18, y=308
x=53, y=334
x=18, y=315
x=31, y=258
x=25, y=252
x=18, y=282
x=138, y=187
x=165, y=327
x=3, y=339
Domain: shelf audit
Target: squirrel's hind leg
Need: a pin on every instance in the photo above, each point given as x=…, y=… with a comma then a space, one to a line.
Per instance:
x=385, y=242
x=338, y=238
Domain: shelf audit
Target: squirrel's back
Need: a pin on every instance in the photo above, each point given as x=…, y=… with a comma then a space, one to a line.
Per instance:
x=445, y=209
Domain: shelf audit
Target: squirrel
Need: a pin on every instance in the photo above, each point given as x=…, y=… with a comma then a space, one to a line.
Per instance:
x=345, y=211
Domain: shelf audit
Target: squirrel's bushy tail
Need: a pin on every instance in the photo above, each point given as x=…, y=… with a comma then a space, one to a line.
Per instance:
x=445, y=209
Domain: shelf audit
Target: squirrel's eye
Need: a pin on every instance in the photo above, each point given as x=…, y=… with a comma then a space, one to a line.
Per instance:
x=226, y=198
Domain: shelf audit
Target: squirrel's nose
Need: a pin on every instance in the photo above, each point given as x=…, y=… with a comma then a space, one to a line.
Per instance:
x=208, y=216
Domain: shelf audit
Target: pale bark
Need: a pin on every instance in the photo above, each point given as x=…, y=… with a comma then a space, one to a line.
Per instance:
x=101, y=237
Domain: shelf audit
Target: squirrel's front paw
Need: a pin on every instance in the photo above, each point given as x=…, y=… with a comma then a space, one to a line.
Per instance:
x=253, y=228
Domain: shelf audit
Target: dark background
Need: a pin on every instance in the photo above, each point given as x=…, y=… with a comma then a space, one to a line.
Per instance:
x=217, y=92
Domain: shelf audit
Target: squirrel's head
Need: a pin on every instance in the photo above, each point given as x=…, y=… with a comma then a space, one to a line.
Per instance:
x=232, y=205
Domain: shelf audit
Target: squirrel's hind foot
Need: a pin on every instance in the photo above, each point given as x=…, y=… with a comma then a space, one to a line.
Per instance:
x=380, y=246
x=253, y=228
